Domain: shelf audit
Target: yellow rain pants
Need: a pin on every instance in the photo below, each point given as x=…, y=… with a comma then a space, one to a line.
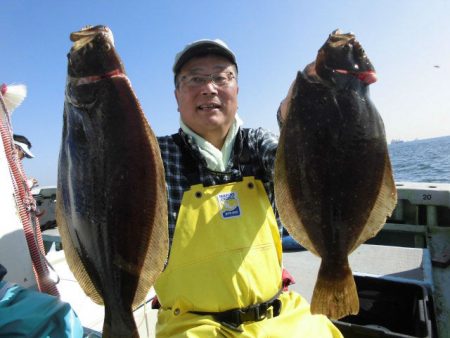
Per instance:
x=226, y=254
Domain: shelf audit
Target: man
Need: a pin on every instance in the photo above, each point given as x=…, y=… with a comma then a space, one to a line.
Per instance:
x=23, y=145
x=224, y=273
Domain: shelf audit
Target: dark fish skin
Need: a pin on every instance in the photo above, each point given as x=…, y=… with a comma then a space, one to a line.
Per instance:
x=333, y=178
x=111, y=202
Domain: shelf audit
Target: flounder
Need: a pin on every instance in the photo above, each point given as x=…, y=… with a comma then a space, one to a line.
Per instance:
x=334, y=186
x=111, y=197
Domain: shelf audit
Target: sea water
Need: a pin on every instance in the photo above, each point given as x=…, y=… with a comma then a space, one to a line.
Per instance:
x=421, y=160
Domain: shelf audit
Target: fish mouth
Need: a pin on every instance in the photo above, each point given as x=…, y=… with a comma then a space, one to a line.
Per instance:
x=367, y=77
x=363, y=69
x=209, y=106
x=88, y=33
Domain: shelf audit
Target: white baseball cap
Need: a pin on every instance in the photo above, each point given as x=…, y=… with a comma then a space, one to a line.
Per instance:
x=26, y=150
x=202, y=47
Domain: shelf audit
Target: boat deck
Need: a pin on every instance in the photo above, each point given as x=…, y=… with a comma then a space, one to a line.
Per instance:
x=414, y=246
x=410, y=264
x=90, y=314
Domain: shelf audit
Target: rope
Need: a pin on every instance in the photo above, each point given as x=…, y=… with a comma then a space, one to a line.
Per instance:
x=26, y=205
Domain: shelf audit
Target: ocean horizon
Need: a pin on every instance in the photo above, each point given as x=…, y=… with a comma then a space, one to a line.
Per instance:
x=421, y=160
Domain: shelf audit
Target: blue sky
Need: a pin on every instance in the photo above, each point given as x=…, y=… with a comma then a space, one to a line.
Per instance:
x=272, y=40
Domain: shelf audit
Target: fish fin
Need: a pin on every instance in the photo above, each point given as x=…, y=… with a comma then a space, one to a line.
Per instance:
x=383, y=207
x=72, y=257
x=158, y=234
x=335, y=295
x=286, y=207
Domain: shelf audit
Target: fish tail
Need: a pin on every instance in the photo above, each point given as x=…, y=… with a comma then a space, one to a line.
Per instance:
x=335, y=292
x=119, y=324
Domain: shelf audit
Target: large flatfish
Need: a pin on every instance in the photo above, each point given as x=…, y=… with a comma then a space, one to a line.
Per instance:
x=111, y=197
x=333, y=179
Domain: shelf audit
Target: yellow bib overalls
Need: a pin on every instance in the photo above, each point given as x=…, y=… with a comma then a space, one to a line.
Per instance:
x=226, y=254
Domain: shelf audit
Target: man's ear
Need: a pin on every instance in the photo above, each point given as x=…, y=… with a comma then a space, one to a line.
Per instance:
x=176, y=98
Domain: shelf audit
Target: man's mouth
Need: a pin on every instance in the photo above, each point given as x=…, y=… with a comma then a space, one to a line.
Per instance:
x=209, y=106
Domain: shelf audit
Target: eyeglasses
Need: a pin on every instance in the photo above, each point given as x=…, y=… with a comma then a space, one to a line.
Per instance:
x=219, y=79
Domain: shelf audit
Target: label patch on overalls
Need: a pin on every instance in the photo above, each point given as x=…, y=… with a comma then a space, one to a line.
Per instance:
x=229, y=205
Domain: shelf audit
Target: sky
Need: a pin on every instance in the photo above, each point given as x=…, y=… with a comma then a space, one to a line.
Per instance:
x=408, y=42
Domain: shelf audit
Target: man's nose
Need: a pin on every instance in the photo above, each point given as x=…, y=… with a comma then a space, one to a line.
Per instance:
x=209, y=88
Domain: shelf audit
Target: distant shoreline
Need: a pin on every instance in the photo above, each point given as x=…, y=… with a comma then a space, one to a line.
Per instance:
x=399, y=141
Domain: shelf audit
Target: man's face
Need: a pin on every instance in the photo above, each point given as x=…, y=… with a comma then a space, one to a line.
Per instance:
x=20, y=152
x=207, y=109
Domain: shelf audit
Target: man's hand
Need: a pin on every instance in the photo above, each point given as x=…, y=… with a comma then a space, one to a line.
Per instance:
x=32, y=182
x=310, y=70
x=285, y=104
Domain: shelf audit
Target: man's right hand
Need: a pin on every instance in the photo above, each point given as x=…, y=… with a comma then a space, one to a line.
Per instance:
x=310, y=70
